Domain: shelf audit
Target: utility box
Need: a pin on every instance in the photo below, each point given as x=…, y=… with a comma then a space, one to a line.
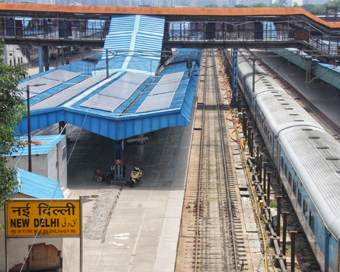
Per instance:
x=49, y=157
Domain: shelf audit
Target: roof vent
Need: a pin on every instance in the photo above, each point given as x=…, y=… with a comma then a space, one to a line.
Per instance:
x=274, y=91
x=293, y=114
x=307, y=129
x=332, y=158
x=322, y=147
x=277, y=95
x=284, y=104
x=314, y=137
x=288, y=108
x=281, y=99
x=299, y=120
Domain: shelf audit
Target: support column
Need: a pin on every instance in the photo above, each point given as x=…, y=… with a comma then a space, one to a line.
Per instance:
x=40, y=59
x=235, y=72
x=46, y=60
x=118, y=157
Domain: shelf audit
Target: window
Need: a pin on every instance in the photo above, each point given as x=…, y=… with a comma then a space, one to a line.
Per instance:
x=10, y=62
x=281, y=162
x=290, y=179
x=299, y=197
x=294, y=187
x=311, y=220
x=286, y=170
x=305, y=208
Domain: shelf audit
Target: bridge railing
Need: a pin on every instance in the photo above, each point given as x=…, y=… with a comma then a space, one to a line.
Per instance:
x=252, y=31
x=52, y=28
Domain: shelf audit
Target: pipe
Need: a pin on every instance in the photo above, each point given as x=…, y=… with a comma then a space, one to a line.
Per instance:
x=264, y=176
x=278, y=227
x=268, y=188
x=292, y=256
x=257, y=157
x=260, y=167
x=284, y=234
x=249, y=137
x=252, y=144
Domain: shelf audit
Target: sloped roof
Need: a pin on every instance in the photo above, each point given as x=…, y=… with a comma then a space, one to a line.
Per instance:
x=131, y=101
x=41, y=144
x=134, y=43
x=37, y=186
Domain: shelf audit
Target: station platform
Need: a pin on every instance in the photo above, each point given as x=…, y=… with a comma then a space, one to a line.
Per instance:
x=322, y=95
x=127, y=229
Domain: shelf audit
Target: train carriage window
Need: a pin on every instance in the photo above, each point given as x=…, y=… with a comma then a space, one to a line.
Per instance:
x=299, y=197
x=286, y=170
x=305, y=208
x=290, y=179
x=311, y=221
x=294, y=187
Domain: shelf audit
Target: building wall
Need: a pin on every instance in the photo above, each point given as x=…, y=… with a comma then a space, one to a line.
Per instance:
x=39, y=164
x=57, y=163
x=17, y=248
x=13, y=55
x=52, y=165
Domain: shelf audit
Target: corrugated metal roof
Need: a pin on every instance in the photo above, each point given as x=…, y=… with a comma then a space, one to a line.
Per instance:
x=49, y=141
x=120, y=119
x=38, y=186
x=133, y=34
x=123, y=122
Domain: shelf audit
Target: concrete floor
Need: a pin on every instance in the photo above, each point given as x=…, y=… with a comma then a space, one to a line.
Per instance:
x=143, y=230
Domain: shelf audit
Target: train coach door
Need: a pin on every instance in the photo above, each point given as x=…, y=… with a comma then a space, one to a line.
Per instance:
x=277, y=154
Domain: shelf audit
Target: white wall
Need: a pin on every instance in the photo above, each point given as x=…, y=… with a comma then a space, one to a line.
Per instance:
x=13, y=55
x=46, y=165
x=62, y=159
x=39, y=164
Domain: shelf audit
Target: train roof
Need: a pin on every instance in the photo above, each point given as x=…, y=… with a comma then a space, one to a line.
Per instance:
x=315, y=155
x=282, y=111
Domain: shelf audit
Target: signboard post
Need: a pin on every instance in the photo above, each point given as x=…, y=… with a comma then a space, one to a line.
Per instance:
x=47, y=218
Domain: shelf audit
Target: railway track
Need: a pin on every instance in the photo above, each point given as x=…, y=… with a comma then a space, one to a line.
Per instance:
x=209, y=237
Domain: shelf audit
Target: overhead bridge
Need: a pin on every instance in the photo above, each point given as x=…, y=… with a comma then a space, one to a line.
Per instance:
x=184, y=27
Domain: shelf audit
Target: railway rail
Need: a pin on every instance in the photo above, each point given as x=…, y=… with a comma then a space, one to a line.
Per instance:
x=209, y=237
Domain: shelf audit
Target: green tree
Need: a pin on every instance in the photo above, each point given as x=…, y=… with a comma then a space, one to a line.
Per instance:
x=240, y=6
x=12, y=108
x=315, y=9
x=259, y=5
x=211, y=6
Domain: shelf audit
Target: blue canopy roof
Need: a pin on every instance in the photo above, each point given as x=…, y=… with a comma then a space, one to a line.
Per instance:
x=37, y=186
x=43, y=144
x=129, y=102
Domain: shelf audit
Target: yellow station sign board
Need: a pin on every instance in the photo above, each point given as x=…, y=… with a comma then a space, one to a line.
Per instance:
x=56, y=218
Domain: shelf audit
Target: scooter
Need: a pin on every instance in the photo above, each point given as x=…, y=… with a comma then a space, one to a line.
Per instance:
x=135, y=176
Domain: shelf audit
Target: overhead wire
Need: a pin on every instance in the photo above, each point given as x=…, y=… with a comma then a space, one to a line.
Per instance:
x=49, y=205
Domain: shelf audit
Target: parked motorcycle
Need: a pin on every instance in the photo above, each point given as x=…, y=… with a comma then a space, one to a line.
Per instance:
x=135, y=176
x=100, y=175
